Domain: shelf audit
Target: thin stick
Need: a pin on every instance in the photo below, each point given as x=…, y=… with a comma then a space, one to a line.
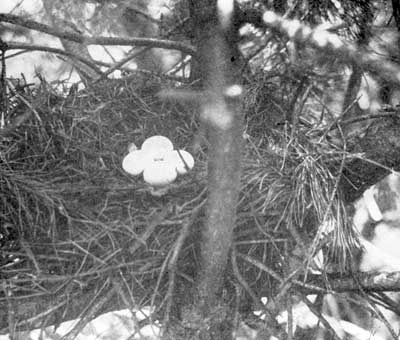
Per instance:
x=16, y=93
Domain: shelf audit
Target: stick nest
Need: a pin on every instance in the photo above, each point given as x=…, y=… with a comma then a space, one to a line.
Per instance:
x=74, y=224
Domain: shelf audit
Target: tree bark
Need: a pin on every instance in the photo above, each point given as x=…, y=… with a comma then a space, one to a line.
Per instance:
x=219, y=67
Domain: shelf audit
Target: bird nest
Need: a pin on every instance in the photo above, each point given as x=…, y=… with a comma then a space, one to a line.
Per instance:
x=75, y=226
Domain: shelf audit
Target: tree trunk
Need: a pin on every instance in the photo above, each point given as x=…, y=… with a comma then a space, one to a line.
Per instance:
x=218, y=62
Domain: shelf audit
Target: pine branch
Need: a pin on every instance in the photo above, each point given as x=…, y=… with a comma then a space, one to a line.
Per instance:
x=323, y=41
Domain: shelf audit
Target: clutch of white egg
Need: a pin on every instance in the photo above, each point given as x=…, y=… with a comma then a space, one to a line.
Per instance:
x=158, y=161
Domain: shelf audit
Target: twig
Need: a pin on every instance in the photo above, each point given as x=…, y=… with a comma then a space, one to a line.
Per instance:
x=320, y=317
x=289, y=308
x=376, y=282
x=261, y=266
x=383, y=300
x=15, y=124
x=136, y=54
x=367, y=117
x=173, y=261
x=38, y=317
x=378, y=313
x=143, y=13
x=11, y=317
x=15, y=92
x=154, y=221
x=30, y=47
x=118, y=64
x=92, y=310
x=241, y=280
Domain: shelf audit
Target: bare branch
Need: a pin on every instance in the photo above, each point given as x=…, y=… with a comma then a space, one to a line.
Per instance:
x=88, y=40
x=42, y=48
x=30, y=47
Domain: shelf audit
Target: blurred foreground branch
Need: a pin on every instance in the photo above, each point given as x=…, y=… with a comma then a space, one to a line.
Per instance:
x=324, y=41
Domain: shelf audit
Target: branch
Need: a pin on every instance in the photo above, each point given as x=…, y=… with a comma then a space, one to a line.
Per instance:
x=361, y=118
x=143, y=13
x=369, y=282
x=315, y=284
x=381, y=144
x=29, y=47
x=42, y=48
x=88, y=40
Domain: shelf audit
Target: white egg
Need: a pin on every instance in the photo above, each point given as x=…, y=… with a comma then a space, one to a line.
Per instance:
x=157, y=143
x=135, y=162
x=160, y=172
